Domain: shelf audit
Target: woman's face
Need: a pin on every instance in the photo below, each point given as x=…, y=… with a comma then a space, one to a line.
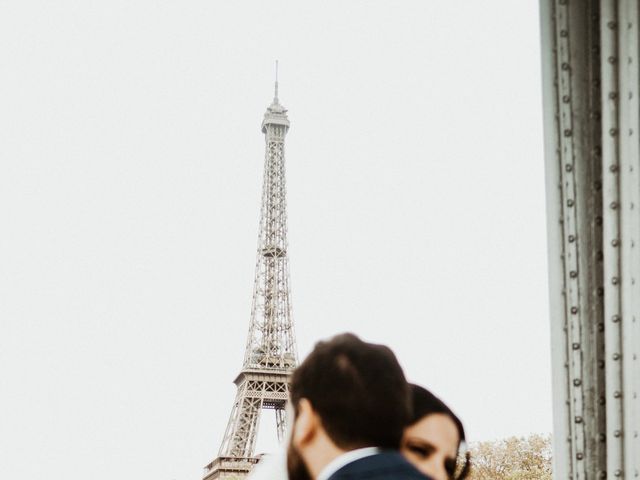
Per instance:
x=431, y=444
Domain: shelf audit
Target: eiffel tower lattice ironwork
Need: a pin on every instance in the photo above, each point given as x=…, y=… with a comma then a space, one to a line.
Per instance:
x=270, y=355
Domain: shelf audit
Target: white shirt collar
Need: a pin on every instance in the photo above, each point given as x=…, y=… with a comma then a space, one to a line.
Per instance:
x=344, y=459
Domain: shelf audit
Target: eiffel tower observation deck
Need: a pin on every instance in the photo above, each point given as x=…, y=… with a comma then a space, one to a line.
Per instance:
x=270, y=354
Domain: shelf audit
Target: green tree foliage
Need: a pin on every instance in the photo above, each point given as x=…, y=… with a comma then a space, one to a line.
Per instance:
x=524, y=458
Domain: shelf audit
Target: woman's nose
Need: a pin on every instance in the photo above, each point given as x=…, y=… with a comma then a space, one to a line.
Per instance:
x=435, y=469
x=441, y=471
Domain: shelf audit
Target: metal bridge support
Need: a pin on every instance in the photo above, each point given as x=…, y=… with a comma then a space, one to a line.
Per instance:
x=591, y=76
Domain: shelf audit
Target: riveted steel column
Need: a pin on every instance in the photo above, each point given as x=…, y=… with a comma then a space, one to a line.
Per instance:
x=568, y=133
x=591, y=219
x=630, y=228
x=571, y=62
x=591, y=81
x=560, y=374
x=611, y=234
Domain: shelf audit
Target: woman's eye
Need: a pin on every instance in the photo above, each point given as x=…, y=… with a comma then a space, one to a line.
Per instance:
x=418, y=450
x=421, y=451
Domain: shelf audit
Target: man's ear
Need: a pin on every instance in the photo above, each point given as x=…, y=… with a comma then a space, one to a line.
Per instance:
x=306, y=425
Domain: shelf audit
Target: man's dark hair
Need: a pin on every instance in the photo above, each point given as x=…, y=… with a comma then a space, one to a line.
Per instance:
x=359, y=391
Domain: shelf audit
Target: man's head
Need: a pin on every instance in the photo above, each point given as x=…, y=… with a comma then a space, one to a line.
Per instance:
x=347, y=394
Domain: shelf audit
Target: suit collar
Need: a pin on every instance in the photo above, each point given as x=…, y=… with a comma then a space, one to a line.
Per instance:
x=344, y=459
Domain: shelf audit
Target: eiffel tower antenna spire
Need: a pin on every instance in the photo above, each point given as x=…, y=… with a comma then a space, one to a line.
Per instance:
x=275, y=98
x=270, y=353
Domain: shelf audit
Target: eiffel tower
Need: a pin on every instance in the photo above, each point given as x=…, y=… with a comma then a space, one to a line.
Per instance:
x=270, y=355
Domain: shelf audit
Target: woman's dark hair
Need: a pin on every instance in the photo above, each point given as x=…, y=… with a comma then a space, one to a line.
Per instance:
x=426, y=403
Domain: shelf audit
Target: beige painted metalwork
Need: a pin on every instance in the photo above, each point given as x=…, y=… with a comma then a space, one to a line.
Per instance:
x=270, y=354
x=591, y=75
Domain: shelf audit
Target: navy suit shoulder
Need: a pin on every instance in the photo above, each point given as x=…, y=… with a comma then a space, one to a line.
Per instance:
x=382, y=466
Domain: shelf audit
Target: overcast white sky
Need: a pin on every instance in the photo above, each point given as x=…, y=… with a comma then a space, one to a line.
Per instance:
x=131, y=166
